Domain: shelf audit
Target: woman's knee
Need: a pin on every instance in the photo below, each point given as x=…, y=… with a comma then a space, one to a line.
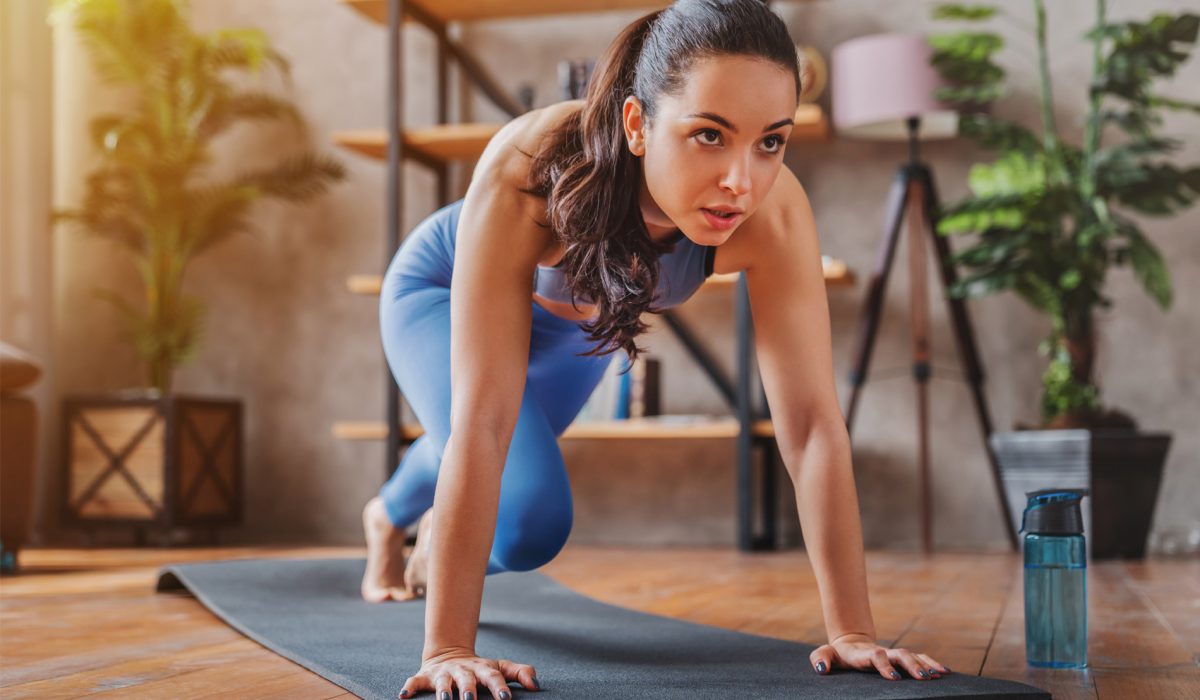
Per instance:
x=532, y=538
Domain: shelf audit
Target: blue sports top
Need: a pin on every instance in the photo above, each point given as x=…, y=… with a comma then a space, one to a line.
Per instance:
x=427, y=255
x=681, y=272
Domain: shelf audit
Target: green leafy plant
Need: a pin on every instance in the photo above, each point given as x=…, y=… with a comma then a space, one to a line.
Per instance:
x=1050, y=218
x=149, y=193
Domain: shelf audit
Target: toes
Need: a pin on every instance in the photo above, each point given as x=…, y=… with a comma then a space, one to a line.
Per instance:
x=374, y=596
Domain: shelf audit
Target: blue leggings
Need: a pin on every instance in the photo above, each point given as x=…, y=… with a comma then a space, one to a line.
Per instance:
x=535, y=512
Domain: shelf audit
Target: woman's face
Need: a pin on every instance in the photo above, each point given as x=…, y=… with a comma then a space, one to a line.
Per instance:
x=713, y=151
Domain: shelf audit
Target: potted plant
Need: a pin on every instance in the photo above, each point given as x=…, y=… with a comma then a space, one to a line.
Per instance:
x=152, y=456
x=1050, y=219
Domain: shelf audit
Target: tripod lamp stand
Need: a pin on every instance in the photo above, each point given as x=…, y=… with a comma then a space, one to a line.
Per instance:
x=883, y=89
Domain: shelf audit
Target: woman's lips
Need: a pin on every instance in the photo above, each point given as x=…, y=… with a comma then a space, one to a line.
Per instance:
x=721, y=220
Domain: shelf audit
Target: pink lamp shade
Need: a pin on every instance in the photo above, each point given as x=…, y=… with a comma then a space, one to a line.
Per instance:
x=882, y=80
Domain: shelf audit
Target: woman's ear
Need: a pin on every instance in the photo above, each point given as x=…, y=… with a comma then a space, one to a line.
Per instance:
x=631, y=117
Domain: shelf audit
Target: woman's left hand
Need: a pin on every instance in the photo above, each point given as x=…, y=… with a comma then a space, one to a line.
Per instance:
x=860, y=652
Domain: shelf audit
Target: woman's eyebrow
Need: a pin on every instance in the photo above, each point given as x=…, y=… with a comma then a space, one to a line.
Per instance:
x=725, y=122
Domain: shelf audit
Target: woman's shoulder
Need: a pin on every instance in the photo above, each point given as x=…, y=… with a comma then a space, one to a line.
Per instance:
x=508, y=154
x=500, y=182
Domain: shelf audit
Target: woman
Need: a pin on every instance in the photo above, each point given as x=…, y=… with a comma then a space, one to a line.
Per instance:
x=581, y=217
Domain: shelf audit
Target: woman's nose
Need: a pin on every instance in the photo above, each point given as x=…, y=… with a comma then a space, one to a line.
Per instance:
x=736, y=177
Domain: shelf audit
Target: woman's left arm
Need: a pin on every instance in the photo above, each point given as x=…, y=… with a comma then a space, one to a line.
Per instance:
x=786, y=282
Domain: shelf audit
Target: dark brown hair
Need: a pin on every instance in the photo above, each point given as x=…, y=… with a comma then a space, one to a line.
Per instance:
x=591, y=181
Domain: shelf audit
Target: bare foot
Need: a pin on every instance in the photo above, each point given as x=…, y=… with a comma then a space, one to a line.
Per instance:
x=416, y=575
x=384, y=577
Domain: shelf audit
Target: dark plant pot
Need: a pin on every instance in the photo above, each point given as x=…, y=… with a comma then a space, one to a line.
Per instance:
x=142, y=460
x=1122, y=469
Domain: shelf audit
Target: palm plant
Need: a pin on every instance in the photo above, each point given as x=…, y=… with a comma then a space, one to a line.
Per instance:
x=149, y=193
x=1051, y=218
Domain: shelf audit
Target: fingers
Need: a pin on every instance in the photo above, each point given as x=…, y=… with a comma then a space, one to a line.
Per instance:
x=495, y=683
x=522, y=673
x=822, y=659
x=910, y=662
x=468, y=674
x=883, y=663
x=466, y=684
x=443, y=686
x=414, y=685
x=931, y=664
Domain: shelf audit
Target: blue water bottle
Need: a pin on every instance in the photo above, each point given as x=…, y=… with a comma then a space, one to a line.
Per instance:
x=1055, y=579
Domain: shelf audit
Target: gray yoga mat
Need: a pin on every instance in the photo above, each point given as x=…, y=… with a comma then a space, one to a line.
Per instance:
x=309, y=611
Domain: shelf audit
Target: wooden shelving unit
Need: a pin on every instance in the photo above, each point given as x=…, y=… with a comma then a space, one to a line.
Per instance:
x=437, y=145
x=446, y=11
x=443, y=143
x=836, y=275
x=651, y=428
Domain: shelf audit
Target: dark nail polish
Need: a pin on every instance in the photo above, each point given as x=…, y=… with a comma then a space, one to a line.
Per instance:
x=896, y=675
x=820, y=667
x=404, y=693
x=933, y=672
x=504, y=695
x=536, y=684
x=469, y=695
x=947, y=669
x=445, y=695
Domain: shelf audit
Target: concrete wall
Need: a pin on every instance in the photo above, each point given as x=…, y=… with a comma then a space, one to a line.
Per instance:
x=25, y=258
x=302, y=352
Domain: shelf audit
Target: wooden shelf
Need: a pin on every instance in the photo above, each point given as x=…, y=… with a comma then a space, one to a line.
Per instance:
x=450, y=142
x=372, y=430
x=812, y=125
x=656, y=428
x=468, y=10
x=836, y=275
x=367, y=285
x=444, y=143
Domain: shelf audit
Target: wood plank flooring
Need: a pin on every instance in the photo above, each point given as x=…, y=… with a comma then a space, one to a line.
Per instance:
x=88, y=623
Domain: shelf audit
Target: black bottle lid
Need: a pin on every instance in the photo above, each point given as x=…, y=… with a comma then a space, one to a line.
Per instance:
x=1054, y=512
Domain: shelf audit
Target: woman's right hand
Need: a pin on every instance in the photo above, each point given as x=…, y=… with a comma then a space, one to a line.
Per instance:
x=460, y=668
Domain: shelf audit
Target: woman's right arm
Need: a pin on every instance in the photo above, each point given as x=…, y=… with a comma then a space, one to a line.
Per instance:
x=498, y=245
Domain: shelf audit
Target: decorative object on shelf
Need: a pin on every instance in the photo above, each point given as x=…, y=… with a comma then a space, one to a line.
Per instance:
x=573, y=78
x=623, y=386
x=526, y=95
x=19, y=371
x=151, y=195
x=603, y=402
x=1050, y=219
x=814, y=74
x=883, y=89
x=639, y=388
x=645, y=387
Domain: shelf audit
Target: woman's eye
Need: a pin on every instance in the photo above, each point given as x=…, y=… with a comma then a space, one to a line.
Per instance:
x=773, y=143
x=709, y=137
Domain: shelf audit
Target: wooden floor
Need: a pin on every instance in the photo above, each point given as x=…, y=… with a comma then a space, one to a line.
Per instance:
x=87, y=622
